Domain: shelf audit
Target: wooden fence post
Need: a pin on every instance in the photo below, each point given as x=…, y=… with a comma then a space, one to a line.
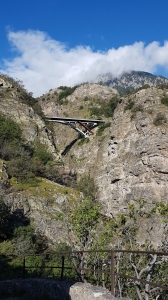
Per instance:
x=23, y=267
x=62, y=267
x=112, y=274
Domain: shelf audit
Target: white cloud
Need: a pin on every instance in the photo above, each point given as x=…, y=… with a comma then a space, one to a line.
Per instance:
x=43, y=63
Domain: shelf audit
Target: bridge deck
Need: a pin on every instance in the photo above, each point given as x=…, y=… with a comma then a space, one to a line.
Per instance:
x=73, y=120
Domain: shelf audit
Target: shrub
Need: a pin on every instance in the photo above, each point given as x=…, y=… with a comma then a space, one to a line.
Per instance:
x=83, y=141
x=129, y=105
x=4, y=219
x=138, y=107
x=160, y=119
x=96, y=111
x=9, y=131
x=145, y=86
x=65, y=93
x=19, y=167
x=106, y=109
x=164, y=101
x=87, y=186
x=42, y=153
x=102, y=127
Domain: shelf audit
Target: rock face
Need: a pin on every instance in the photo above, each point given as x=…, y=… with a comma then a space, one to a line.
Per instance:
x=88, y=292
x=42, y=204
x=129, y=160
x=34, y=128
x=135, y=159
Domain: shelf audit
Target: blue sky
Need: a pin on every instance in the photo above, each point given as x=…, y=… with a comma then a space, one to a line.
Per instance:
x=47, y=43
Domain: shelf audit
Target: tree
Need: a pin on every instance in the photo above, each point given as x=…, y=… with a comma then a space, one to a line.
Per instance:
x=4, y=219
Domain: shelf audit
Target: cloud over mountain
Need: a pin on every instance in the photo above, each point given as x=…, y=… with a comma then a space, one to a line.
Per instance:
x=43, y=63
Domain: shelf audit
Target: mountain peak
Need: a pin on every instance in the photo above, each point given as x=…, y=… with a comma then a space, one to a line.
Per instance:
x=130, y=81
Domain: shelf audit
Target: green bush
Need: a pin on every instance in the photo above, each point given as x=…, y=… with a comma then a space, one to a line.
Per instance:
x=129, y=105
x=106, y=109
x=160, y=119
x=4, y=219
x=102, y=127
x=87, y=186
x=83, y=141
x=144, y=87
x=19, y=167
x=65, y=93
x=9, y=131
x=42, y=153
x=164, y=101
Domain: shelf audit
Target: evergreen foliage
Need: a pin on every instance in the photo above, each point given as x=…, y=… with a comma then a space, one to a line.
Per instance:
x=24, y=161
x=164, y=101
x=105, y=109
x=102, y=127
x=66, y=91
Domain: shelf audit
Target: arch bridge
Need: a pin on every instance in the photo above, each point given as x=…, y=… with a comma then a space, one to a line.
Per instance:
x=82, y=126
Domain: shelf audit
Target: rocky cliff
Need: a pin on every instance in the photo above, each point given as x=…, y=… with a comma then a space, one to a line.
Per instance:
x=128, y=159
x=12, y=105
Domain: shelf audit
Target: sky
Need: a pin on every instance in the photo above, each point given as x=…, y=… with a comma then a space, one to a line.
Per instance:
x=48, y=43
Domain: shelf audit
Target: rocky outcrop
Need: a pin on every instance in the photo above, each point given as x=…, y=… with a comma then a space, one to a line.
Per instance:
x=129, y=160
x=88, y=292
x=135, y=159
x=34, y=128
x=44, y=206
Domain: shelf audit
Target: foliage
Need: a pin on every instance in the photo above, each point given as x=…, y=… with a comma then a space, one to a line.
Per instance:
x=137, y=107
x=102, y=127
x=160, y=119
x=24, y=161
x=83, y=141
x=10, y=131
x=164, y=101
x=129, y=105
x=66, y=91
x=24, y=96
x=162, y=86
x=106, y=109
x=84, y=220
x=87, y=186
x=4, y=219
x=42, y=153
x=144, y=87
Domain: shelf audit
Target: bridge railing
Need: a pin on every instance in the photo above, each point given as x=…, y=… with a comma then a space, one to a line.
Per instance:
x=102, y=267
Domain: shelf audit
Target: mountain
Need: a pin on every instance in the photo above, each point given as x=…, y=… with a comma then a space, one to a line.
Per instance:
x=130, y=81
x=118, y=195
x=126, y=157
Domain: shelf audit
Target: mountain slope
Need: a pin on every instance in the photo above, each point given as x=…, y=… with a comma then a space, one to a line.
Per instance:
x=130, y=81
x=128, y=158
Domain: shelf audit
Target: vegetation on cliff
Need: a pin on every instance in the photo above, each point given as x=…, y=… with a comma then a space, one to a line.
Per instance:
x=87, y=227
x=24, y=161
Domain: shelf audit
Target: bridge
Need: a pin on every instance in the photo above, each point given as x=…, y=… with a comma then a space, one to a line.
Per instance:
x=82, y=126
